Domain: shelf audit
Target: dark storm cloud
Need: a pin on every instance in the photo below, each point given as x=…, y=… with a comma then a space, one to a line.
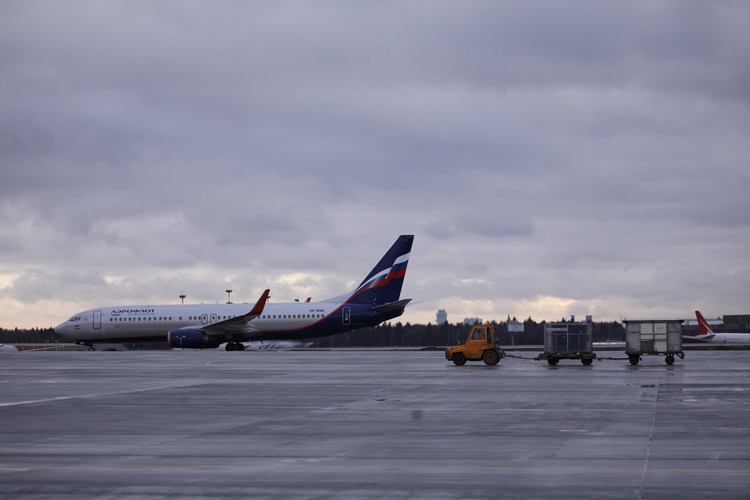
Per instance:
x=528, y=146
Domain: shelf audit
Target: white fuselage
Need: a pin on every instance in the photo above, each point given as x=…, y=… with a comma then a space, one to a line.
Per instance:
x=153, y=321
x=719, y=338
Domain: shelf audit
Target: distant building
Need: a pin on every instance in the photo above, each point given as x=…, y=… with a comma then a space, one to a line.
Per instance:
x=737, y=323
x=442, y=317
x=472, y=321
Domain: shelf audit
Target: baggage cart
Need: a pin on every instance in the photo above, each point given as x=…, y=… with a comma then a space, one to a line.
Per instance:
x=568, y=341
x=653, y=337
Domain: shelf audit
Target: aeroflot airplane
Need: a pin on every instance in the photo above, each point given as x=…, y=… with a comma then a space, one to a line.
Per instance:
x=200, y=326
x=707, y=335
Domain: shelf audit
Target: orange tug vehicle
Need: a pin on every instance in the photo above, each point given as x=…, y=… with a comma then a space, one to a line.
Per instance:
x=480, y=346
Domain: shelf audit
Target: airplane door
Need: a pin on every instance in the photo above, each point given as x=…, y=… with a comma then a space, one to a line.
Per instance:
x=346, y=316
x=213, y=318
x=204, y=319
x=97, y=320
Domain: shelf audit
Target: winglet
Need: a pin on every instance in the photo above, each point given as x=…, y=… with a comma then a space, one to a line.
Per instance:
x=258, y=308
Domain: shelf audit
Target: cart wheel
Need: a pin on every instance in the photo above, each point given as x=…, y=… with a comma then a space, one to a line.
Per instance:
x=586, y=361
x=552, y=361
x=670, y=359
x=634, y=358
x=459, y=359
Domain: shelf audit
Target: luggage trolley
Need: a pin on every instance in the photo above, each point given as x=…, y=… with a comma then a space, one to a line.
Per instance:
x=568, y=341
x=653, y=337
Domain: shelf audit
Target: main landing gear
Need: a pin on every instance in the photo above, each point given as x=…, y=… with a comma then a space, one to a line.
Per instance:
x=235, y=346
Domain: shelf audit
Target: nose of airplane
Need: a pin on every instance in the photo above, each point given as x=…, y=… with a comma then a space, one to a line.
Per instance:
x=63, y=329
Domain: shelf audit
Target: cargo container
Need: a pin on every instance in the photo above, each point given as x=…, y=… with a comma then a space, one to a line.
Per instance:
x=568, y=341
x=653, y=337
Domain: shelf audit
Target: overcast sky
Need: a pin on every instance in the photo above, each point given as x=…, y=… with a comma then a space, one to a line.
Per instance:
x=551, y=158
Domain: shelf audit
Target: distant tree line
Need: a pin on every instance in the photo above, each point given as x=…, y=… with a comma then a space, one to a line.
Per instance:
x=448, y=334
x=28, y=336
x=384, y=335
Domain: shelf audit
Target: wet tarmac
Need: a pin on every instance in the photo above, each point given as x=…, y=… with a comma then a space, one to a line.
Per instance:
x=371, y=424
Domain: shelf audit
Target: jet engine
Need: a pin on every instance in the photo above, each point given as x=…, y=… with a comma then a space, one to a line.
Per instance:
x=192, y=339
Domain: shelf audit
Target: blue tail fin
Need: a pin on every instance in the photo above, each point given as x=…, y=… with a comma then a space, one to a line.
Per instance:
x=383, y=284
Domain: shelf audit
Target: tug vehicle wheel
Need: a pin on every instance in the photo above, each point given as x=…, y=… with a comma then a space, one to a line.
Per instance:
x=459, y=359
x=490, y=358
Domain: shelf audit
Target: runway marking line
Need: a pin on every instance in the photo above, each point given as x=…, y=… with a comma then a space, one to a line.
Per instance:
x=16, y=465
x=34, y=401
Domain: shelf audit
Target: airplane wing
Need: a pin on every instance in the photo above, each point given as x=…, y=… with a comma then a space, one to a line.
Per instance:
x=239, y=323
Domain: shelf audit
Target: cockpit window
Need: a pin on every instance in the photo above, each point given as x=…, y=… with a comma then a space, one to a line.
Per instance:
x=74, y=319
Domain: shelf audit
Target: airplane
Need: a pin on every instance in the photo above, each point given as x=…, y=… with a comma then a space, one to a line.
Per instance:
x=707, y=335
x=200, y=326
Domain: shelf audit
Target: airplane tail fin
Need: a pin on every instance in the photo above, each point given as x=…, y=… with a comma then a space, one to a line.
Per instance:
x=703, y=324
x=383, y=284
